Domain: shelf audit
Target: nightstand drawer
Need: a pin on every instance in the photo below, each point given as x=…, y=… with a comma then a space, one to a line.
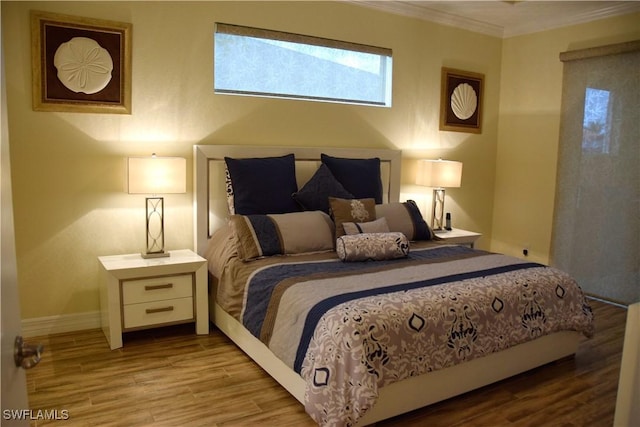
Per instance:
x=156, y=289
x=158, y=312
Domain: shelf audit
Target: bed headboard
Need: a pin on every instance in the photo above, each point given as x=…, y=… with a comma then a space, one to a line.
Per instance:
x=210, y=198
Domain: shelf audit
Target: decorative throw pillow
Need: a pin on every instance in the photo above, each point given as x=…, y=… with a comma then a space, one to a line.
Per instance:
x=351, y=210
x=282, y=234
x=372, y=246
x=229, y=190
x=360, y=177
x=314, y=195
x=263, y=185
x=377, y=226
x=406, y=218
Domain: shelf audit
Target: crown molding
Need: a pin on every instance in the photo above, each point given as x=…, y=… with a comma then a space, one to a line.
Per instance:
x=534, y=26
x=421, y=10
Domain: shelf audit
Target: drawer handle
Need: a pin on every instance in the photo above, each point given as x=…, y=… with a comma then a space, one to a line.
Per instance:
x=159, y=310
x=156, y=287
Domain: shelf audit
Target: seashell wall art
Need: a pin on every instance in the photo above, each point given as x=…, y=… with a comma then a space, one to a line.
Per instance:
x=80, y=64
x=461, y=101
x=83, y=65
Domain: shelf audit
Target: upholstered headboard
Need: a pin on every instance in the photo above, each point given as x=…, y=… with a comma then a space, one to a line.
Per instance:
x=210, y=198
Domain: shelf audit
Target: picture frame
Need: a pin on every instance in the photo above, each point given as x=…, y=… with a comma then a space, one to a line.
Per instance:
x=462, y=94
x=80, y=64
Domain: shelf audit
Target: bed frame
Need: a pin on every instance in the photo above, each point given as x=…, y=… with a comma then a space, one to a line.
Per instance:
x=210, y=211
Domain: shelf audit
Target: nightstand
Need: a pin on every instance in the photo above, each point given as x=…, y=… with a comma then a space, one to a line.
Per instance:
x=138, y=293
x=457, y=236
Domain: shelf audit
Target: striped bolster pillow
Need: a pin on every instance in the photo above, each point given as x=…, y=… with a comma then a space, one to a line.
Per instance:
x=406, y=218
x=282, y=234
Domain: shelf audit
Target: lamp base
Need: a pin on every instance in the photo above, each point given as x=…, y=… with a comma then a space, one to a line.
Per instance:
x=155, y=228
x=437, y=210
x=155, y=255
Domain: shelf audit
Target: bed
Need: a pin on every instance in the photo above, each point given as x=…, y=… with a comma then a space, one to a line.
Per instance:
x=384, y=318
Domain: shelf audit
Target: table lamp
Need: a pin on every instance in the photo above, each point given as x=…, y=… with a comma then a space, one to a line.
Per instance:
x=156, y=175
x=439, y=174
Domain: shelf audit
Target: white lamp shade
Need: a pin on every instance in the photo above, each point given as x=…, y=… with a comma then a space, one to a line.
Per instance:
x=156, y=175
x=439, y=173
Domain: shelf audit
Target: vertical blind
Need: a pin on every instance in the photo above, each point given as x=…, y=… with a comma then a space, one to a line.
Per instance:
x=596, y=228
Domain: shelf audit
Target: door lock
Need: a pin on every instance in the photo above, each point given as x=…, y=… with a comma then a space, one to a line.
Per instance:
x=25, y=355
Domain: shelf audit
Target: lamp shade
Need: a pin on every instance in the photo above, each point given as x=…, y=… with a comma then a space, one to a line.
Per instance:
x=156, y=175
x=439, y=173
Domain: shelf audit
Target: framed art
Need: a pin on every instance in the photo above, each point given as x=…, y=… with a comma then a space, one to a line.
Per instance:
x=80, y=64
x=461, y=101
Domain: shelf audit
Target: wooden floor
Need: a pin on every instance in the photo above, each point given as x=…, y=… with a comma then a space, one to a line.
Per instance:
x=170, y=377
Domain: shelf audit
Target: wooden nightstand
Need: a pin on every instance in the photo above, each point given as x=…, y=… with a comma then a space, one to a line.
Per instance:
x=458, y=237
x=137, y=293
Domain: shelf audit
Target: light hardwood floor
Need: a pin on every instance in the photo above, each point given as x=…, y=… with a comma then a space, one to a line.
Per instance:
x=171, y=377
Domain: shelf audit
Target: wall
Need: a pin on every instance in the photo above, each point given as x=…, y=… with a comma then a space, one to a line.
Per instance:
x=68, y=168
x=627, y=408
x=530, y=99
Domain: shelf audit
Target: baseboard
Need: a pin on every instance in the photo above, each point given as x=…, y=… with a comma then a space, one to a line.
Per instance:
x=39, y=326
x=606, y=301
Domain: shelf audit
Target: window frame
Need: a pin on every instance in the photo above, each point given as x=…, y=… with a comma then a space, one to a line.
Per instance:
x=261, y=33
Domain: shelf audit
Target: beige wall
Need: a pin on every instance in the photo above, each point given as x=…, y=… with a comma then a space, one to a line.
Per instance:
x=68, y=168
x=530, y=99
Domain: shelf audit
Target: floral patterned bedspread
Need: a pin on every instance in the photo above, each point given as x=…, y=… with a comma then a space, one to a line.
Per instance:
x=351, y=328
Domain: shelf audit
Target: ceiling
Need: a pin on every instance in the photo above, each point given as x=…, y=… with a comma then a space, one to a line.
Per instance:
x=506, y=18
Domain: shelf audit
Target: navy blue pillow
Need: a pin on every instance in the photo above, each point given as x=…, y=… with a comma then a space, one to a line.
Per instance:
x=263, y=185
x=360, y=177
x=314, y=195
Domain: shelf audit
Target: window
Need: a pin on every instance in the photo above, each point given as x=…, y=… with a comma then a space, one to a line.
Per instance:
x=256, y=62
x=596, y=125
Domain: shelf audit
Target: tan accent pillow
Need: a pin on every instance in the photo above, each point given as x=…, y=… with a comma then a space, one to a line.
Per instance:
x=351, y=210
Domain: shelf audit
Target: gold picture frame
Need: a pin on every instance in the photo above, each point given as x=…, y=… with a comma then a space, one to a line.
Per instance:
x=462, y=94
x=80, y=64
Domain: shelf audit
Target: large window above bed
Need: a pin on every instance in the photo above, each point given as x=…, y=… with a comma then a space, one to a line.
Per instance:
x=258, y=62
